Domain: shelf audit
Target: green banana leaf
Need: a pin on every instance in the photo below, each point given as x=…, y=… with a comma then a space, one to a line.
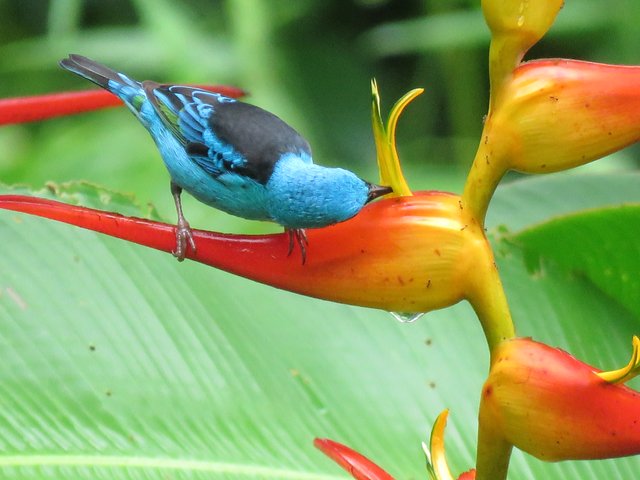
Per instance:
x=117, y=362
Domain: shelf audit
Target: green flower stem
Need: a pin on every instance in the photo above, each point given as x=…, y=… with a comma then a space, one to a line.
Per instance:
x=486, y=294
x=504, y=58
x=486, y=171
x=494, y=452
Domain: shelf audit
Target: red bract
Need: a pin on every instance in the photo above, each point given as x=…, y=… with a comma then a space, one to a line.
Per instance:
x=41, y=107
x=376, y=259
x=555, y=407
x=469, y=475
x=359, y=466
x=557, y=114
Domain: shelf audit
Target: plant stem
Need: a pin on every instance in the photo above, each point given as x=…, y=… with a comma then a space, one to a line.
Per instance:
x=486, y=295
x=494, y=452
x=486, y=171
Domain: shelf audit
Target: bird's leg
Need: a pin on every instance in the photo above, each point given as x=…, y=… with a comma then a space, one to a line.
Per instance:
x=300, y=236
x=183, y=230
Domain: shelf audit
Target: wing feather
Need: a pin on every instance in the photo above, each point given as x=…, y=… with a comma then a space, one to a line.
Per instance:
x=238, y=137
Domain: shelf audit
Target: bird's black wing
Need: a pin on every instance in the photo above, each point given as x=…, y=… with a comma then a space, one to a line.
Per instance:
x=261, y=137
x=222, y=134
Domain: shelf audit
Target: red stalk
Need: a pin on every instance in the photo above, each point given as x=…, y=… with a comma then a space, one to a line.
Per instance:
x=42, y=107
x=359, y=466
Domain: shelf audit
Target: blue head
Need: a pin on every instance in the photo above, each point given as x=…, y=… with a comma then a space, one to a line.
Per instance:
x=305, y=195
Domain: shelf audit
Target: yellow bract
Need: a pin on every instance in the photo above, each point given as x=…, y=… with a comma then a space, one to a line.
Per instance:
x=628, y=372
x=437, y=467
x=385, y=138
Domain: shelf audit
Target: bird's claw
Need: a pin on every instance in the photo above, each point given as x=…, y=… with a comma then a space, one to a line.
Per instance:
x=300, y=236
x=184, y=238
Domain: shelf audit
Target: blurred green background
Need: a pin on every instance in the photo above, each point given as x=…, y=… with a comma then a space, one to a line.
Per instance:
x=309, y=61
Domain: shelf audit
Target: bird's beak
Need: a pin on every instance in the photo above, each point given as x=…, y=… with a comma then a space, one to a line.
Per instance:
x=376, y=191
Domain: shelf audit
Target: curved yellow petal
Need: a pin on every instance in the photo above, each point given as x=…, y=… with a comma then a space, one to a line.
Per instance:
x=396, y=176
x=436, y=458
x=628, y=372
x=384, y=136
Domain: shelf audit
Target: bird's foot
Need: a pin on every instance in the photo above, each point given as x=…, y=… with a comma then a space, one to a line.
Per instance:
x=184, y=238
x=300, y=236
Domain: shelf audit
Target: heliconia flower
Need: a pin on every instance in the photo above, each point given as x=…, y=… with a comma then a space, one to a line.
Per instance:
x=554, y=115
x=359, y=466
x=409, y=254
x=555, y=407
x=516, y=25
x=41, y=107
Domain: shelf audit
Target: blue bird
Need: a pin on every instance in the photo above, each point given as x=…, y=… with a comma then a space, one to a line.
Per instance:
x=235, y=157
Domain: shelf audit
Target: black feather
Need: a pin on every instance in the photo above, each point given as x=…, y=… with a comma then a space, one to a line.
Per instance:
x=197, y=149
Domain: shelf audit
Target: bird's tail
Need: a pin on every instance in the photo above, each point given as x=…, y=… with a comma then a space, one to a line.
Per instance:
x=130, y=91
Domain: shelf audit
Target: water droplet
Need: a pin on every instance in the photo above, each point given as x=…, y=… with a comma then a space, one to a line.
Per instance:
x=404, y=317
x=524, y=5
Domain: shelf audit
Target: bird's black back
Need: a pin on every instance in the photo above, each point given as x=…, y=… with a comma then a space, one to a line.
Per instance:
x=259, y=136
